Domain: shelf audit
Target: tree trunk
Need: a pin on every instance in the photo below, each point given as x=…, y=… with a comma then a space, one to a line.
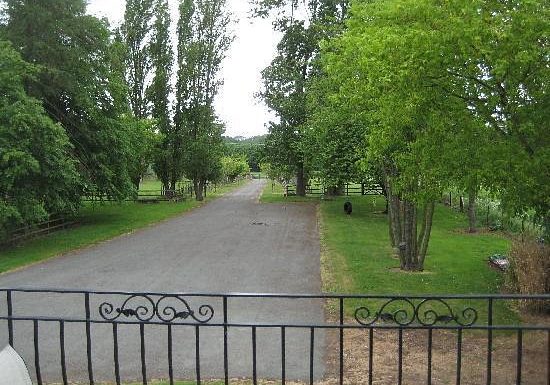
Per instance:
x=393, y=217
x=425, y=233
x=198, y=187
x=472, y=218
x=136, y=181
x=301, y=181
x=407, y=246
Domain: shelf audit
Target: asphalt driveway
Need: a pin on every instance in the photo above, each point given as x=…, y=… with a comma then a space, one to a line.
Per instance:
x=232, y=244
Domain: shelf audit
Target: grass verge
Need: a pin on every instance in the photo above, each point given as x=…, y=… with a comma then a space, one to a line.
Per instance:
x=99, y=222
x=357, y=257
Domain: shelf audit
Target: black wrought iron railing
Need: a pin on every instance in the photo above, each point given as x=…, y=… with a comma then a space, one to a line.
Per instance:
x=75, y=336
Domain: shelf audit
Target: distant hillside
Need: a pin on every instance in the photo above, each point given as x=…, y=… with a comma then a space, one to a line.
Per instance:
x=242, y=140
x=252, y=148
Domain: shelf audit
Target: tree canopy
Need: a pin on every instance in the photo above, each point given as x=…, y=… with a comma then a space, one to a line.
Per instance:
x=38, y=176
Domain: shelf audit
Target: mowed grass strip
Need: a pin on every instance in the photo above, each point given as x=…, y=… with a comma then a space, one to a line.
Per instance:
x=357, y=257
x=98, y=222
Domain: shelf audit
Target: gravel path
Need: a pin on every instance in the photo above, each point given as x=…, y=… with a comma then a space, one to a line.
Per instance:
x=232, y=244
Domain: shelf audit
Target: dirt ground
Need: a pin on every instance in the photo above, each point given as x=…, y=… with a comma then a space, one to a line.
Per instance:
x=535, y=368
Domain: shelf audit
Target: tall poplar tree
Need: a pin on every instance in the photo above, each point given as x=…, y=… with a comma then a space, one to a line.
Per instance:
x=136, y=30
x=203, y=39
x=158, y=92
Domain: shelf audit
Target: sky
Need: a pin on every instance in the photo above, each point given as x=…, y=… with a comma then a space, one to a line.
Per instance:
x=253, y=49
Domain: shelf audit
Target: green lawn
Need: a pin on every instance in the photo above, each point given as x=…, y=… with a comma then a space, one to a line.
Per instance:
x=98, y=222
x=151, y=185
x=357, y=257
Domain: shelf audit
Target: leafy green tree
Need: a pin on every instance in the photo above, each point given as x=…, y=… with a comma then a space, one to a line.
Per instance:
x=336, y=137
x=428, y=75
x=234, y=167
x=373, y=90
x=37, y=177
x=286, y=79
x=496, y=61
x=74, y=85
x=203, y=39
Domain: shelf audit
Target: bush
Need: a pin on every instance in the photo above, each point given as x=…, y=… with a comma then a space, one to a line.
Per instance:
x=529, y=273
x=234, y=167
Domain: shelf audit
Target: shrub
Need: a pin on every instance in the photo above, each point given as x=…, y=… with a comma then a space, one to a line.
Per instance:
x=529, y=273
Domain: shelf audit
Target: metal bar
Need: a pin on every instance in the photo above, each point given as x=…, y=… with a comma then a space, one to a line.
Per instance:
x=254, y=368
x=400, y=357
x=311, y=354
x=294, y=326
x=197, y=355
x=143, y=363
x=115, y=353
x=225, y=350
x=519, y=357
x=430, y=350
x=62, y=351
x=341, y=347
x=36, y=353
x=88, y=338
x=548, y=357
x=170, y=356
x=459, y=357
x=10, y=314
x=283, y=355
x=371, y=351
x=286, y=295
x=489, y=341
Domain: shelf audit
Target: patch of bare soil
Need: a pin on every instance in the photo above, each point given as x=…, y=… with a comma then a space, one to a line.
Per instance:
x=535, y=361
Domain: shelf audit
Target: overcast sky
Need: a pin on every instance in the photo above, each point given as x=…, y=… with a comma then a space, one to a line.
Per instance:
x=252, y=51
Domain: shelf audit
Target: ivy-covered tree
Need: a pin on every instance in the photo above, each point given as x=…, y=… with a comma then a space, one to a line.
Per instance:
x=37, y=177
x=203, y=39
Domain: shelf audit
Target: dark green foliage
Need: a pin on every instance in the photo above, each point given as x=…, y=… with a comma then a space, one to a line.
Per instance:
x=75, y=85
x=37, y=177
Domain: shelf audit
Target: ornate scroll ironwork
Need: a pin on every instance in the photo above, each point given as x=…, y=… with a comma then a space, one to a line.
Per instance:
x=423, y=313
x=141, y=307
x=168, y=308
x=171, y=313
